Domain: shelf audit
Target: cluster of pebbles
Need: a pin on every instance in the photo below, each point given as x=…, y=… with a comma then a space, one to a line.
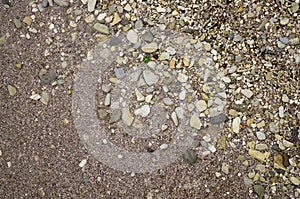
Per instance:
x=230, y=62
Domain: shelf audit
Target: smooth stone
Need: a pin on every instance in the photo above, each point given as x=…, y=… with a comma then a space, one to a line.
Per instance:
x=259, y=155
x=195, y=121
x=174, y=118
x=232, y=69
x=18, y=23
x=82, y=163
x=218, y=119
x=148, y=36
x=274, y=127
x=179, y=112
x=45, y=3
x=35, y=97
x=259, y=190
x=261, y=147
x=47, y=76
x=236, y=125
x=115, y=116
x=168, y=101
x=107, y=100
x=295, y=41
x=150, y=48
x=150, y=78
x=182, y=77
x=91, y=5
x=11, y=90
x=143, y=111
x=106, y=88
x=163, y=146
x=281, y=111
x=260, y=135
x=225, y=168
x=201, y=105
x=285, y=98
x=120, y=73
x=164, y=56
x=247, y=92
x=284, y=40
x=295, y=181
x=139, y=96
x=138, y=24
x=189, y=156
x=64, y=3
x=132, y=36
x=101, y=28
x=127, y=117
x=182, y=95
x=102, y=114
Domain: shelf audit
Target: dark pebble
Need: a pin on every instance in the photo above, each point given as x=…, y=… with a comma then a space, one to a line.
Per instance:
x=189, y=156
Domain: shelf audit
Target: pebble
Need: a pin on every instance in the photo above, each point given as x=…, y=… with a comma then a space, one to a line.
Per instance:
x=179, y=112
x=64, y=3
x=47, y=76
x=182, y=77
x=35, y=97
x=281, y=111
x=11, y=90
x=150, y=78
x=168, y=101
x=189, y=156
x=120, y=73
x=218, y=119
x=45, y=97
x=17, y=23
x=195, y=121
x=101, y=28
x=260, y=135
x=138, y=25
x=285, y=98
x=150, y=48
x=44, y=3
x=163, y=146
x=115, y=116
x=225, y=168
x=232, y=69
x=116, y=19
x=174, y=118
x=148, y=36
x=259, y=155
x=91, y=5
x=127, y=117
x=105, y=88
x=107, y=100
x=259, y=190
x=143, y=111
x=236, y=125
x=284, y=40
x=83, y=163
x=201, y=105
x=132, y=36
x=295, y=180
x=248, y=93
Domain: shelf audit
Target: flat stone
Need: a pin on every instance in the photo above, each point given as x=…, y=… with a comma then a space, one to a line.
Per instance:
x=260, y=135
x=261, y=124
x=45, y=3
x=11, y=90
x=201, y=105
x=247, y=92
x=138, y=25
x=82, y=163
x=195, y=121
x=294, y=41
x=35, y=97
x=168, y=101
x=91, y=5
x=274, y=127
x=27, y=20
x=101, y=28
x=132, y=36
x=259, y=155
x=259, y=190
x=101, y=16
x=182, y=77
x=127, y=117
x=148, y=36
x=164, y=56
x=232, y=69
x=284, y=40
x=236, y=125
x=115, y=116
x=285, y=98
x=107, y=100
x=150, y=48
x=218, y=119
x=106, y=88
x=117, y=19
x=143, y=111
x=64, y=3
x=18, y=23
x=179, y=112
x=45, y=97
x=150, y=78
x=189, y=156
x=295, y=181
x=102, y=113
x=225, y=168
x=120, y=73
x=139, y=96
x=174, y=118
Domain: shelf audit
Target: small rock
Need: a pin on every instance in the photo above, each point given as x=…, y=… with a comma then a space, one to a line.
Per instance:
x=139, y=96
x=260, y=135
x=259, y=190
x=248, y=93
x=295, y=180
x=261, y=124
x=201, y=105
x=17, y=23
x=107, y=100
x=295, y=7
x=218, y=119
x=138, y=24
x=101, y=28
x=47, y=76
x=106, y=88
x=150, y=78
x=225, y=168
x=27, y=20
x=45, y=3
x=35, y=97
x=232, y=69
x=236, y=125
x=132, y=36
x=174, y=118
x=64, y=3
x=102, y=114
x=168, y=101
x=294, y=41
x=11, y=90
x=116, y=20
x=285, y=98
x=115, y=116
x=120, y=73
x=189, y=156
x=83, y=163
x=195, y=121
x=91, y=5
x=127, y=117
x=150, y=48
x=148, y=36
x=143, y=111
x=182, y=77
x=259, y=155
x=284, y=40
x=163, y=146
x=281, y=111
x=45, y=97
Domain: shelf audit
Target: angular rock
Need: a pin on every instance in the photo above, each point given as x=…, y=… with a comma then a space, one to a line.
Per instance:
x=143, y=111
x=101, y=28
x=189, y=156
x=91, y=5
x=11, y=90
x=127, y=117
x=201, y=105
x=195, y=121
x=150, y=78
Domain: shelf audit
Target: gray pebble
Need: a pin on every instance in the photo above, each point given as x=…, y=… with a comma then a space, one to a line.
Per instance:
x=120, y=73
x=284, y=40
x=148, y=36
x=189, y=156
x=45, y=3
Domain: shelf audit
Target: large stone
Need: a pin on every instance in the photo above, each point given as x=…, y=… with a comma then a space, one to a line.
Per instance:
x=201, y=105
x=195, y=121
x=150, y=48
x=91, y=5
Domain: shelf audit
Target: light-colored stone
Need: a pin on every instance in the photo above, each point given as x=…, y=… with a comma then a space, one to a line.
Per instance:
x=201, y=105
x=150, y=48
x=182, y=77
x=247, y=92
x=127, y=117
x=150, y=78
x=295, y=180
x=11, y=90
x=139, y=96
x=45, y=97
x=83, y=163
x=260, y=135
x=281, y=111
x=195, y=121
x=132, y=36
x=174, y=118
x=91, y=5
x=236, y=125
x=116, y=19
x=263, y=157
x=143, y=111
x=101, y=28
